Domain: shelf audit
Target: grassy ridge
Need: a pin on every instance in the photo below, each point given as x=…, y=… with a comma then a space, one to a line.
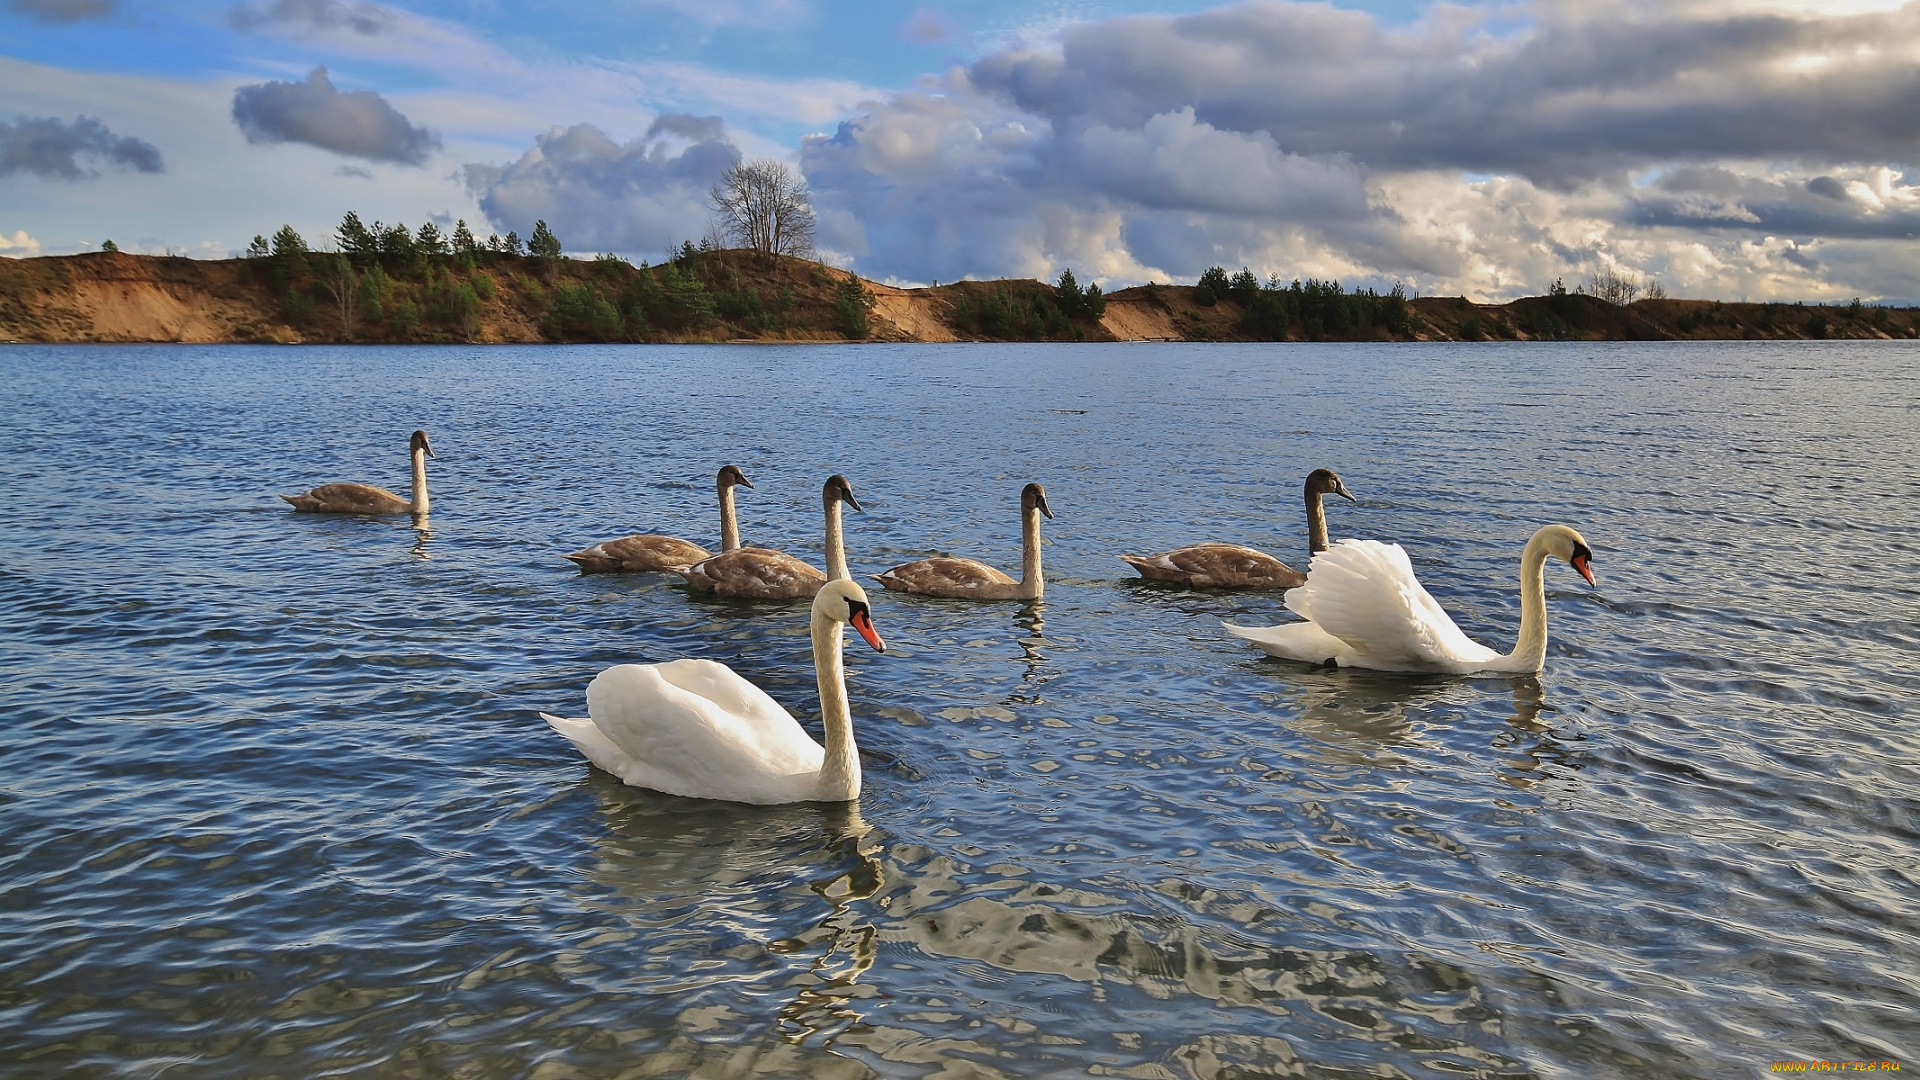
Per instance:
x=493, y=296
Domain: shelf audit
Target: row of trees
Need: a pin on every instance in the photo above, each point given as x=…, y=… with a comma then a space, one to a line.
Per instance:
x=1611, y=286
x=1275, y=310
x=396, y=243
x=393, y=283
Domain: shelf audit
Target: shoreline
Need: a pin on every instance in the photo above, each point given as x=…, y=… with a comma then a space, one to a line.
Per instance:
x=737, y=298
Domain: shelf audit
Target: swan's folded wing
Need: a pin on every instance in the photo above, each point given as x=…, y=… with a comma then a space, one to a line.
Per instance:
x=693, y=727
x=592, y=744
x=944, y=576
x=747, y=716
x=1365, y=593
x=649, y=551
x=1301, y=641
x=755, y=572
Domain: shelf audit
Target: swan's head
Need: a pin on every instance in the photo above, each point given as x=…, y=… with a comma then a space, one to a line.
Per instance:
x=838, y=489
x=731, y=476
x=1568, y=545
x=844, y=601
x=1327, y=482
x=1034, y=497
x=419, y=443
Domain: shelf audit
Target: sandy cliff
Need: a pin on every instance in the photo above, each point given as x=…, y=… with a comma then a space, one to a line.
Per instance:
x=732, y=296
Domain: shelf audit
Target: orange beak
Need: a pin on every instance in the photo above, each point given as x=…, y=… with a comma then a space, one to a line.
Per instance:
x=1580, y=564
x=863, y=622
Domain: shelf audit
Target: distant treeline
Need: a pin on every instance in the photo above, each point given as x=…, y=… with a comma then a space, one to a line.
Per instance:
x=1027, y=310
x=389, y=283
x=1275, y=310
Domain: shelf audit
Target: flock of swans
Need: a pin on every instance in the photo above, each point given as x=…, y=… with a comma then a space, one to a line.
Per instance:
x=694, y=728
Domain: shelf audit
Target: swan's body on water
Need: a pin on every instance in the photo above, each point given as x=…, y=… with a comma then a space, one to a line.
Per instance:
x=694, y=728
x=765, y=574
x=657, y=553
x=1235, y=566
x=969, y=579
x=1365, y=608
x=367, y=499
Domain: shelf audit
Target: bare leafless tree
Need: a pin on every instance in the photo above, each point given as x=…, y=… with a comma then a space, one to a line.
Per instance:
x=1613, y=287
x=762, y=206
x=338, y=278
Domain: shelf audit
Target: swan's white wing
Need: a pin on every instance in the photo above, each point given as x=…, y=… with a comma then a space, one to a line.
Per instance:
x=1303, y=641
x=594, y=746
x=693, y=727
x=1365, y=593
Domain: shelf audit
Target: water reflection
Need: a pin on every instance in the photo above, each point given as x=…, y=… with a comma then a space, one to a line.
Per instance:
x=770, y=896
x=657, y=842
x=1038, y=932
x=422, y=536
x=1360, y=720
x=1031, y=636
x=1533, y=742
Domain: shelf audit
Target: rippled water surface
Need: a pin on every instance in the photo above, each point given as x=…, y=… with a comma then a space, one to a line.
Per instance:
x=275, y=801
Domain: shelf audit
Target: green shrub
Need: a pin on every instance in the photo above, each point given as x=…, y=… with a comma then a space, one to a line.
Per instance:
x=851, y=304
x=454, y=305
x=581, y=313
x=1212, y=286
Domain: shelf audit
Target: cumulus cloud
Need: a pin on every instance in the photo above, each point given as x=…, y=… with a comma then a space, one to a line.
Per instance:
x=1581, y=89
x=642, y=196
x=64, y=11
x=19, y=245
x=356, y=123
x=366, y=19
x=1458, y=153
x=55, y=149
x=1874, y=206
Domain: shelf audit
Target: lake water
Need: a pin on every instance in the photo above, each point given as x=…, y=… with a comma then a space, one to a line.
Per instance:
x=275, y=801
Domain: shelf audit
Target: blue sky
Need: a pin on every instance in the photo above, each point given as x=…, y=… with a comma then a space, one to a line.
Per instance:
x=1729, y=148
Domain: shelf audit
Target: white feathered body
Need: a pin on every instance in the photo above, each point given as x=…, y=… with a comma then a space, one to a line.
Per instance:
x=1365, y=608
x=695, y=728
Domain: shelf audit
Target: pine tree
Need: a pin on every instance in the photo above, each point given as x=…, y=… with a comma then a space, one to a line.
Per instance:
x=544, y=244
x=288, y=242
x=354, y=237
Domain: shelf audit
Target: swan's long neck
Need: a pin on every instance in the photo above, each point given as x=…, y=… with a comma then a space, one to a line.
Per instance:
x=836, y=546
x=729, y=523
x=1316, y=522
x=840, y=771
x=418, y=493
x=1530, y=651
x=1032, y=585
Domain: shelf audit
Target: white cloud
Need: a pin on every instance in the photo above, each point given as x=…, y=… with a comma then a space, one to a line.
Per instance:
x=1457, y=155
x=640, y=197
x=19, y=245
x=216, y=190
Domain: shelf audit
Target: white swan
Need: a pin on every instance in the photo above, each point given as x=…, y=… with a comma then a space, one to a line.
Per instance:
x=765, y=574
x=694, y=728
x=1233, y=566
x=968, y=579
x=653, y=552
x=367, y=499
x=1364, y=608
